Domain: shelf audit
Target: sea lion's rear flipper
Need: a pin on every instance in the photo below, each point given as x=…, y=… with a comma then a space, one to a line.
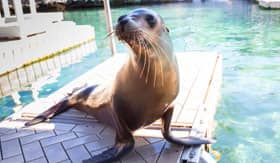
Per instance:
x=58, y=108
x=61, y=106
x=113, y=154
x=166, y=132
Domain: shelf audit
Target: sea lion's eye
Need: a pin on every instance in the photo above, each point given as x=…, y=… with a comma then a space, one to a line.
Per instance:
x=151, y=20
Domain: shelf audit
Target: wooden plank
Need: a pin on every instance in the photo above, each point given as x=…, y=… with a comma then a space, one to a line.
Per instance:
x=213, y=97
x=190, y=115
x=192, y=154
x=189, y=70
x=201, y=122
x=199, y=89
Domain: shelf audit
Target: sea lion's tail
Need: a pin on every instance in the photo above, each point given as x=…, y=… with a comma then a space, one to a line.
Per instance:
x=58, y=108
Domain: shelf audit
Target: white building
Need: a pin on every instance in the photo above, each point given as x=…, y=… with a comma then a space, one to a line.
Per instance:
x=19, y=25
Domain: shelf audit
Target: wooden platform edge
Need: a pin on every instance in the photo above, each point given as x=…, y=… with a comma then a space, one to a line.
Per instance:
x=205, y=123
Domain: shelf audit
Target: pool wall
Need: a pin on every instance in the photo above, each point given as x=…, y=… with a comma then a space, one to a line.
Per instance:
x=25, y=61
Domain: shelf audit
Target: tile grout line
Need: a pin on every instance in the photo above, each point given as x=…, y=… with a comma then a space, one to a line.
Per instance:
x=1, y=150
x=80, y=144
x=56, y=142
x=69, y=158
x=143, y=158
x=39, y=141
x=146, y=140
x=83, y=145
x=36, y=159
x=102, y=130
x=54, y=131
x=162, y=149
x=21, y=149
x=43, y=149
x=74, y=126
x=64, y=160
x=73, y=139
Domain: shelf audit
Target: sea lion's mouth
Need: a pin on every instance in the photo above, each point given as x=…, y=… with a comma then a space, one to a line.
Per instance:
x=134, y=38
x=126, y=35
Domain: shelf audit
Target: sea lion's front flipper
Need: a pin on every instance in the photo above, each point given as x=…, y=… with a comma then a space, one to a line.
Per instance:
x=166, y=132
x=113, y=154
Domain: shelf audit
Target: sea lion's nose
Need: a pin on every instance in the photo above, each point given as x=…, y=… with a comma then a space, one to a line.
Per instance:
x=123, y=20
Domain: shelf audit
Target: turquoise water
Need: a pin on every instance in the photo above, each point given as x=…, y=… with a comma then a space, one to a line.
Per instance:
x=248, y=118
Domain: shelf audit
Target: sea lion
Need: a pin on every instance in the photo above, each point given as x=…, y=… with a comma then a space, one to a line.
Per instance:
x=142, y=92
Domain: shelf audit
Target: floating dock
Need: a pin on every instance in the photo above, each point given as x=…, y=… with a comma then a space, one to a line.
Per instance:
x=75, y=136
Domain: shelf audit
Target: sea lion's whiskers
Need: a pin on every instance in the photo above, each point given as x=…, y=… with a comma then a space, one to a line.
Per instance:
x=154, y=42
x=132, y=44
x=148, y=71
x=162, y=75
x=134, y=41
x=157, y=52
x=161, y=72
x=149, y=63
x=142, y=71
x=140, y=49
x=145, y=32
x=146, y=50
x=155, y=74
x=161, y=67
x=152, y=39
x=109, y=34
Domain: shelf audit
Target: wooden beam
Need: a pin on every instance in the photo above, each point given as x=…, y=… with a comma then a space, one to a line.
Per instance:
x=19, y=15
x=32, y=5
x=5, y=4
x=109, y=25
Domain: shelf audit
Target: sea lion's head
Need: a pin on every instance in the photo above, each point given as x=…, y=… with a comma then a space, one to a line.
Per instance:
x=144, y=30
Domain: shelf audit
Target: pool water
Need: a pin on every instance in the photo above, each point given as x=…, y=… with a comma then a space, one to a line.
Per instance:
x=248, y=117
